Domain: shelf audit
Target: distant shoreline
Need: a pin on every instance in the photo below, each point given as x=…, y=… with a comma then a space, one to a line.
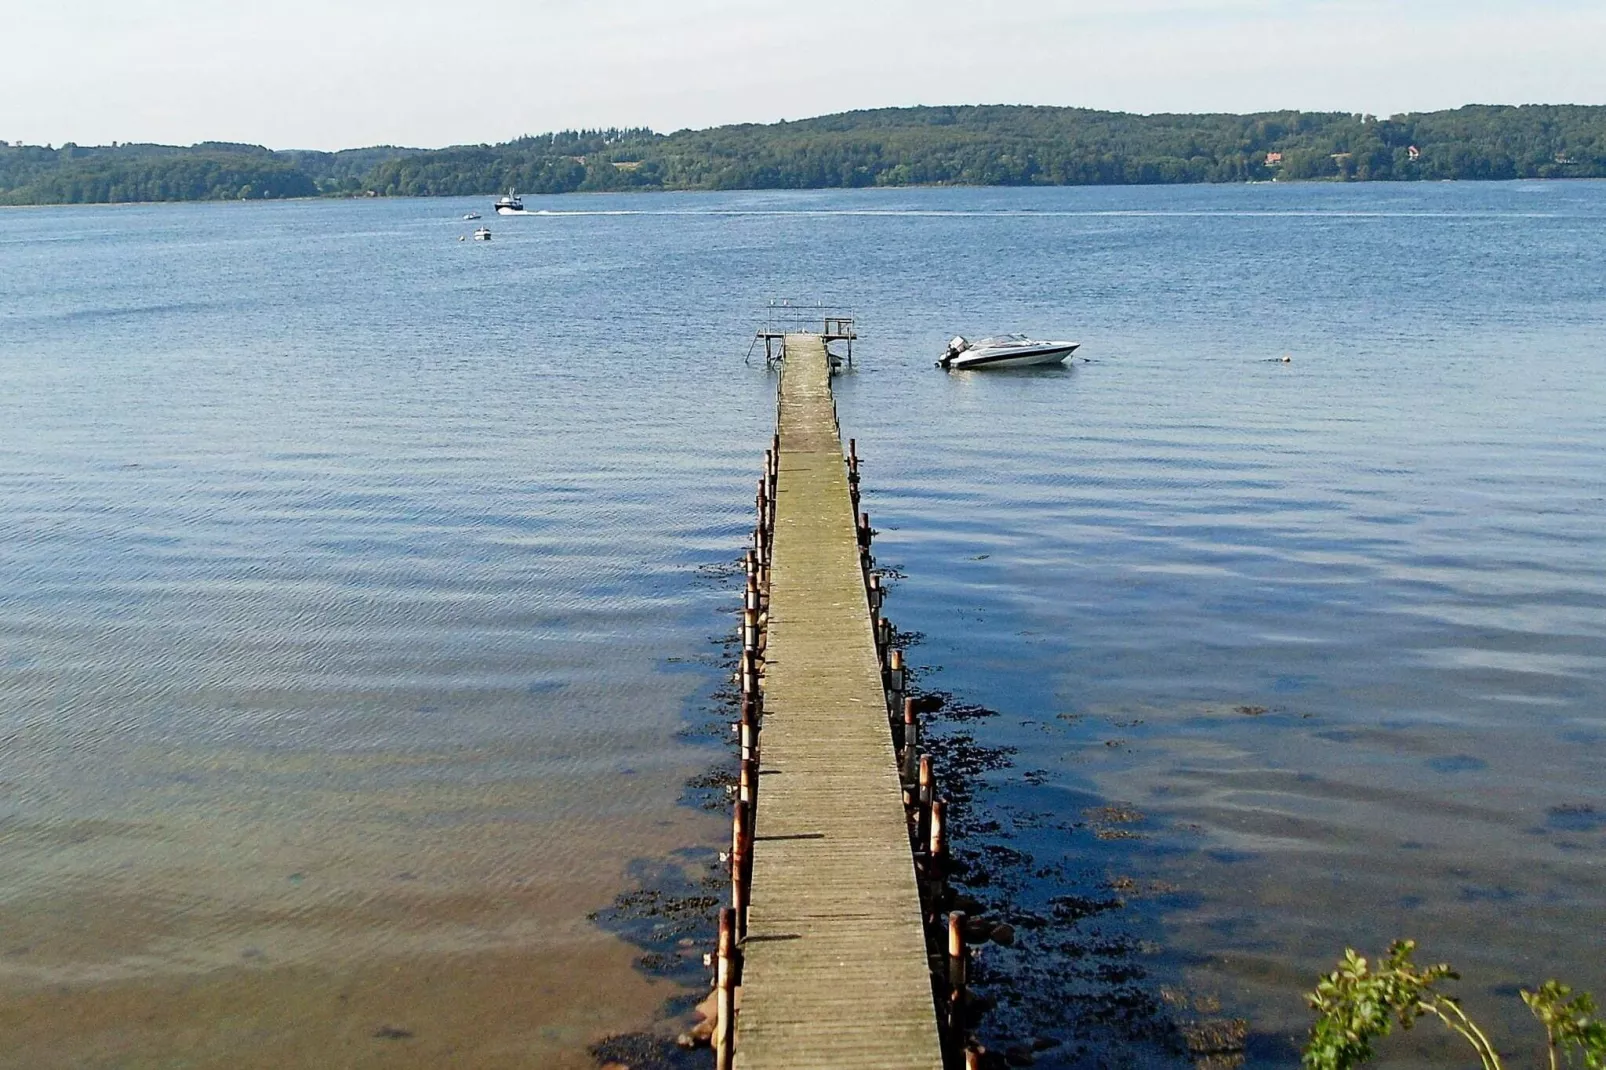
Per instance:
x=972, y=146
x=333, y=199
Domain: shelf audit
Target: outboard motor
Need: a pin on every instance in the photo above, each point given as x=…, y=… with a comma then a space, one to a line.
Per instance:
x=956, y=346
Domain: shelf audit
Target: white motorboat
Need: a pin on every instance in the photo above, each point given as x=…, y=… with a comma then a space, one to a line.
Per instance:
x=482, y=233
x=472, y=215
x=512, y=204
x=1005, y=351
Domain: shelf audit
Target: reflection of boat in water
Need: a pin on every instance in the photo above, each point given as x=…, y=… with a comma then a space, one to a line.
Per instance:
x=1005, y=351
x=482, y=233
x=512, y=204
x=472, y=215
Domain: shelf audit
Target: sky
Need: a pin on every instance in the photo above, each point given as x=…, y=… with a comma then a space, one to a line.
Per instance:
x=347, y=73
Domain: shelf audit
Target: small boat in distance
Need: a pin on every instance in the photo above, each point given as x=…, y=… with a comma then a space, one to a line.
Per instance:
x=482, y=233
x=509, y=205
x=472, y=215
x=1005, y=351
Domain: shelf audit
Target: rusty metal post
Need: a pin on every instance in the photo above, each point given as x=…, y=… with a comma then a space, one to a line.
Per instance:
x=741, y=848
x=749, y=673
x=747, y=727
x=895, y=681
x=927, y=792
x=725, y=992
x=747, y=785
x=749, y=737
x=957, y=963
x=911, y=740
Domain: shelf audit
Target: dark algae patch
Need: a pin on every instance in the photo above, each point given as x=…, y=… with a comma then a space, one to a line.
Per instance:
x=671, y=911
x=646, y=1051
x=1070, y=971
x=670, y=915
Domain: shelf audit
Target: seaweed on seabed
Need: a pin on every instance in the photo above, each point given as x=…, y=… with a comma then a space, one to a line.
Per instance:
x=646, y=1051
x=1063, y=977
x=670, y=915
x=671, y=911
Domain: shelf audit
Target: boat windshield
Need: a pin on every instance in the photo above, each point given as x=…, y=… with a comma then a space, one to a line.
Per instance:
x=1002, y=340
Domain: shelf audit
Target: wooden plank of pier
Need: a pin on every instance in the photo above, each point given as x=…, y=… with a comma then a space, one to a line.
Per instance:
x=835, y=971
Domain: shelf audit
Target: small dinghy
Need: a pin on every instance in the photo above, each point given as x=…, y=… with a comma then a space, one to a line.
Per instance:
x=1006, y=351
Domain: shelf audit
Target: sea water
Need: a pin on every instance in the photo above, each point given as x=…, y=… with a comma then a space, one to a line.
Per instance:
x=362, y=590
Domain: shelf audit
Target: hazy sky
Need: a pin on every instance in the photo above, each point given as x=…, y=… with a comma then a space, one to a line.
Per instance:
x=340, y=73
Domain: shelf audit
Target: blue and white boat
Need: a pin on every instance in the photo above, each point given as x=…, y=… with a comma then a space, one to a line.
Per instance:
x=1005, y=351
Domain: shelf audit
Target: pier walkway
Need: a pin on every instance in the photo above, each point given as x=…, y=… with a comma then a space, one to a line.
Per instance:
x=835, y=971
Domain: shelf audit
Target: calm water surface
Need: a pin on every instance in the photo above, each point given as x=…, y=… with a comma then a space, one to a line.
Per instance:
x=357, y=584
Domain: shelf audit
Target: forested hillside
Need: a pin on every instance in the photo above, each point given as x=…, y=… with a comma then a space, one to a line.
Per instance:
x=983, y=145
x=211, y=170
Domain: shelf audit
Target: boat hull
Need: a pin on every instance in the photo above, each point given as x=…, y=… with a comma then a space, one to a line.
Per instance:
x=1036, y=356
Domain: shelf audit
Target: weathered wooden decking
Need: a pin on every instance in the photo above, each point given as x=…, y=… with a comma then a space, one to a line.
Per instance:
x=835, y=971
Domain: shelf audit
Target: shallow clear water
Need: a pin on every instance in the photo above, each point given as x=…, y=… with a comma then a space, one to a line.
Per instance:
x=356, y=582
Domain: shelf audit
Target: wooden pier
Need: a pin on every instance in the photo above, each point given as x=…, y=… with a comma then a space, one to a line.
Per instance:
x=833, y=954
x=786, y=318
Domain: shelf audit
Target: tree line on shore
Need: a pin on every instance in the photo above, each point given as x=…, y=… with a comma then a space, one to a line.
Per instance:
x=992, y=145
